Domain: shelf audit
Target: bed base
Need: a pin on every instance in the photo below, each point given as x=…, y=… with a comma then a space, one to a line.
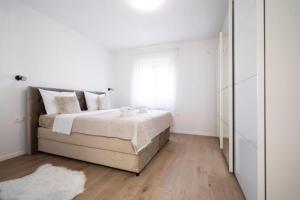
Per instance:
x=119, y=160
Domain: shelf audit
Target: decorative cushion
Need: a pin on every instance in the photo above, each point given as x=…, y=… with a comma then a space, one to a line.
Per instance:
x=67, y=105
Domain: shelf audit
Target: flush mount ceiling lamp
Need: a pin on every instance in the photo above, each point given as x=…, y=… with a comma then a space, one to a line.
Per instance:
x=146, y=5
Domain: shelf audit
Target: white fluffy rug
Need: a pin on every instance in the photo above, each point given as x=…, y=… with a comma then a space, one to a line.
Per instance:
x=47, y=182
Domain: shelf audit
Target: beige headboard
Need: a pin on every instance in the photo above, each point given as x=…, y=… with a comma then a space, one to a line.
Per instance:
x=35, y=107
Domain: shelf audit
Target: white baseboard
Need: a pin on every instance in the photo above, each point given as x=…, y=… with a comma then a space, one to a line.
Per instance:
x=12, y=155
x=202, y=133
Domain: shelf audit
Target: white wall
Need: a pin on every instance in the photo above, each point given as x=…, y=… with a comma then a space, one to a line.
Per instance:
x=245, y=97
x=282, y=99
x=195, y=107
x=50, y=55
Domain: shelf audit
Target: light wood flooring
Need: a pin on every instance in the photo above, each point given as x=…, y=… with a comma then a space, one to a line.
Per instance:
x=188, y=167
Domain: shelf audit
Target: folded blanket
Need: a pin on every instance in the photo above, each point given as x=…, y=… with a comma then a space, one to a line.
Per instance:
x=63, y=123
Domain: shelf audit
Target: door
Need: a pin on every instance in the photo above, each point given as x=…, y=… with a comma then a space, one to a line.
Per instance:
x=225, y=89
x=282, y=72
x=245, y=96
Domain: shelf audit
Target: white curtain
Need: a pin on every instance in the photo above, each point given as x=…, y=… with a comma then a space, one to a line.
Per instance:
x=153, y=82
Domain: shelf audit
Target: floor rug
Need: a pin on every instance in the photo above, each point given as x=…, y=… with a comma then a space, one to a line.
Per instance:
x=47, y=182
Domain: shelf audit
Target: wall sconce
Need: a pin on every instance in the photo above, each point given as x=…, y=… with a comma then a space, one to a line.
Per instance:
x=20, y=78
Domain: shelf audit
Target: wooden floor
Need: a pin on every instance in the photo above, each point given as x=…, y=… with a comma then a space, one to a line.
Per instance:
x=188, y=167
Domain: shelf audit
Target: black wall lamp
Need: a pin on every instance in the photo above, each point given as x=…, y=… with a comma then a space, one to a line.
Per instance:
x=20, y=78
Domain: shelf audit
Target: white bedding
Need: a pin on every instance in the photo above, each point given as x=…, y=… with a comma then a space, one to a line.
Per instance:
x=140, y=128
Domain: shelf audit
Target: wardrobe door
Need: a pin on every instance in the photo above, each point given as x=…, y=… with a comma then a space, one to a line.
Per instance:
x=225, y=89
x=245, y=96
x=282, y=71
x=219, y=89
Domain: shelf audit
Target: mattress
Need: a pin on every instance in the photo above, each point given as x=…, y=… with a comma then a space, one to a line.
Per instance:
x=140, y=128
x=112, y=152
x=92, y=141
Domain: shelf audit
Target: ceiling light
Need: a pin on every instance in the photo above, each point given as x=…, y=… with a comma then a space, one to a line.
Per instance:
x=146, y=5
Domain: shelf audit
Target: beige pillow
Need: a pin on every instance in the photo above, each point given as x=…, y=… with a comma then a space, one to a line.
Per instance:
x=67, y=105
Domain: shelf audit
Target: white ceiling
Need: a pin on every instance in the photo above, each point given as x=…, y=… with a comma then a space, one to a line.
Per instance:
x=115, y=24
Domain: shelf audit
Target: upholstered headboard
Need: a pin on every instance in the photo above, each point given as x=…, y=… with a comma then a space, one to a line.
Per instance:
x=35, y=107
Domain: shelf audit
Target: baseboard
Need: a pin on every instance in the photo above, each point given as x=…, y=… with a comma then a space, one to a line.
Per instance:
x=12, y=155
x=202, y=133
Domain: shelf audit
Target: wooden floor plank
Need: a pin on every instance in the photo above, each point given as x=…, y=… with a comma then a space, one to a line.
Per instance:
x=188, y=167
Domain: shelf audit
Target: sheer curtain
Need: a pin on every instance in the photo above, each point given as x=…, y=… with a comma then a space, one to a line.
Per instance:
x=153, y=82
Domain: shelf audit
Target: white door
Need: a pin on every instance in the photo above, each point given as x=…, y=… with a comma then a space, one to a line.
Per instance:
x=282, y=72
x=225, y=89
x=245, y=96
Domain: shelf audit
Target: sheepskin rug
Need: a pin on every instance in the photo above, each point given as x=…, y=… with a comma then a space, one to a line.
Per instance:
x=47, y=182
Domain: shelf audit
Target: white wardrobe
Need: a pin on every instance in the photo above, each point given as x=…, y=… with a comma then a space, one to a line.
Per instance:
x=266, y=98
x=238, y=93
x=245, y=96
x=282, y=99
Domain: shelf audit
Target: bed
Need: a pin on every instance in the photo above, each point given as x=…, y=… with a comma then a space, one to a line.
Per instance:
x=115, y=152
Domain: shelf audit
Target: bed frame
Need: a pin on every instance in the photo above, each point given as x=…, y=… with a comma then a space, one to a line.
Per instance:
x=120, y=160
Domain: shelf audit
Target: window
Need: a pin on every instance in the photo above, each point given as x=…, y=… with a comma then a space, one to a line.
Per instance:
x=154, y=81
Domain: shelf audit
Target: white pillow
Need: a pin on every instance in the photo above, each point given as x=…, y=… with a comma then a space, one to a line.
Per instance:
x=49, y=99
x=96, y=101
x=103, y=103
